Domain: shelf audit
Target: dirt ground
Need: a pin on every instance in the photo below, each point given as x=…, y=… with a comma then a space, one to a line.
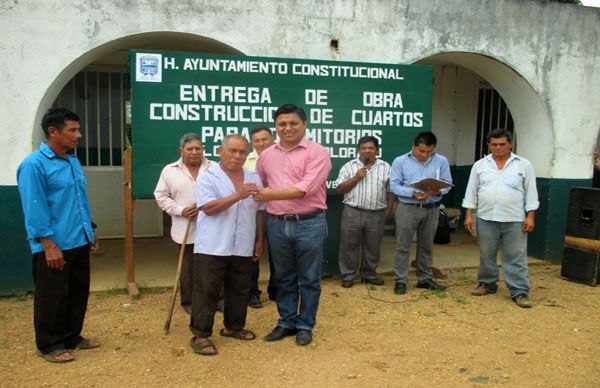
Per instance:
x=365, y=336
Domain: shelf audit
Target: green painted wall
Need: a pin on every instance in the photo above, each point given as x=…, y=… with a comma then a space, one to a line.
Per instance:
x=545, y=242
x=548, y=238
x=15, y=256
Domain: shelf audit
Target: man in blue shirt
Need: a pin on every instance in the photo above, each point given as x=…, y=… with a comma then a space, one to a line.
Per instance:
x=229, y=238
x=417, y=210
x=502, y=189
x=60, y=232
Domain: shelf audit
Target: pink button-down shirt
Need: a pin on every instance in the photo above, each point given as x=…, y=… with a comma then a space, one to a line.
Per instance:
x=304, y=167
x=174, y=192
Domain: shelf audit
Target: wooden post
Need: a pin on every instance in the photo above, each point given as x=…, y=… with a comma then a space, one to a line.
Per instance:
x=129, y=262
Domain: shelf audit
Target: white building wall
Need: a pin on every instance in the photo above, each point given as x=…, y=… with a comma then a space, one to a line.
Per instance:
x=554, y=47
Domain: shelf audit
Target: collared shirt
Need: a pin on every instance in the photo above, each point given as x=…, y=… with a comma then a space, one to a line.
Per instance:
x=370, y=193
x=174, y=192
x=406, y=170
x=231, y=232
x=502, y=195
x=54, y=200
x=251, y=160
x=304, y=167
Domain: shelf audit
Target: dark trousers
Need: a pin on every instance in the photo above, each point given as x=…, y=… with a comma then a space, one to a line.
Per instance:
x=186, y=280
x=272, y=286
x=211, y=273
x=60, y=299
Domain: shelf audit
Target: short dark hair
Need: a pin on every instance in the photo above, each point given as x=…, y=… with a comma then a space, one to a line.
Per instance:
x=290, y=108
x=56, y=118
x=368, y=139
x=499, y=133
x=427, y=138
x=260, y=129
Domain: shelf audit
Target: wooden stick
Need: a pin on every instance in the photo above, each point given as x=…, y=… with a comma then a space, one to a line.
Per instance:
x=176, y=286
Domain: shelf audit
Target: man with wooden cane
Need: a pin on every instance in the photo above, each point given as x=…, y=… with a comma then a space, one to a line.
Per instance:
x=174, y=194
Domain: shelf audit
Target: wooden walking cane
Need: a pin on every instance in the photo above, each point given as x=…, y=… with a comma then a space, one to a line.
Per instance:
x=176, y=286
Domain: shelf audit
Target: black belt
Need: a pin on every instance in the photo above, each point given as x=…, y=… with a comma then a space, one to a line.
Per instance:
x=422, y=205
x=297, y=217
x=365, y=210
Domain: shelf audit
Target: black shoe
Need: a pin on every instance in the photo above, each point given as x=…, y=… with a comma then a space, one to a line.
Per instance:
x=375, y=280
x=279, y=333
x=485, y=289
x=303, y=337
x=254, y=302
x=187, y=308
x=431, y=285
x=273, y=297
x=400, y=288
x=347, y=283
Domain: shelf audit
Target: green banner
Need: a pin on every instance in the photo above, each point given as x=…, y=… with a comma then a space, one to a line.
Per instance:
x=215, y=95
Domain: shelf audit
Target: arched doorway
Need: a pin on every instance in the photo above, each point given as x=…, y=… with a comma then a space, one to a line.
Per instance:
x=96, y=86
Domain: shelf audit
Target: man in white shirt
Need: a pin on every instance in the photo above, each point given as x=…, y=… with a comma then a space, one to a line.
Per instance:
x=502, y=189
x=174, y=194
x=229, y=240
x=365, y=184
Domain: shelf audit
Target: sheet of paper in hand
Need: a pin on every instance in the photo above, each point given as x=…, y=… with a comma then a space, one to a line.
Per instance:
x=430, y=183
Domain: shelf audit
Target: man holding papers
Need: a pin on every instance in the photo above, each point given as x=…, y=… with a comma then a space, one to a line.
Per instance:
x=418, y=207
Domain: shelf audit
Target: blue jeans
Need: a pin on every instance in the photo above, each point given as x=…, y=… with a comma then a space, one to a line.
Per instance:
x=297, y=249
x=514, y=254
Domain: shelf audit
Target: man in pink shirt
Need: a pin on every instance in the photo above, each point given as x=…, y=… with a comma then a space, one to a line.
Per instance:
x=174, y=194
x=295, y=171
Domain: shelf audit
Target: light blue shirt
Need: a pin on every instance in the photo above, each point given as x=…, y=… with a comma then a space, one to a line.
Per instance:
x=407, y=170
x=502, y=195
x=54, y=200
x=231, y=232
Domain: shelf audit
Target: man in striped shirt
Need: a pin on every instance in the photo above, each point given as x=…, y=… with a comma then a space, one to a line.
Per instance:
x=365, y=184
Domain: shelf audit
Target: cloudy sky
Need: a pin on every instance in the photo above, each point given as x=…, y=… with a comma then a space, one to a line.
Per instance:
x=591, y=3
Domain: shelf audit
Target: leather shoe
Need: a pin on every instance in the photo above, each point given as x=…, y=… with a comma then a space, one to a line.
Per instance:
x=431, y=285
x=279, y=333
x=375, y=280
x=400, y=289
x=254, y=302
x=303, y=337
x=347, y=283
x=485, y=289
x=522, y=301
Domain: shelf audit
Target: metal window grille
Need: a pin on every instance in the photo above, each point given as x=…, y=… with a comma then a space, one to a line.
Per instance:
x=492, y=113
x=99, y=98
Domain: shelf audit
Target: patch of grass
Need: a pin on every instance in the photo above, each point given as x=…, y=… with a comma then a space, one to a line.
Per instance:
x=372, y=287
x=459, y=299
x=336, y=294
x=154, y=290
x=101, y=295
x=463, y=276
x=3, y=318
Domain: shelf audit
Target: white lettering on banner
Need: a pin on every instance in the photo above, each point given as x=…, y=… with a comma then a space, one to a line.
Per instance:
x=387, y=118
x=237, y=66
x=331, y=184
x=224, y=113
x=322, y=70
x=305, y=69
x=382, y=100
x=214, y=93
x=341, y=136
